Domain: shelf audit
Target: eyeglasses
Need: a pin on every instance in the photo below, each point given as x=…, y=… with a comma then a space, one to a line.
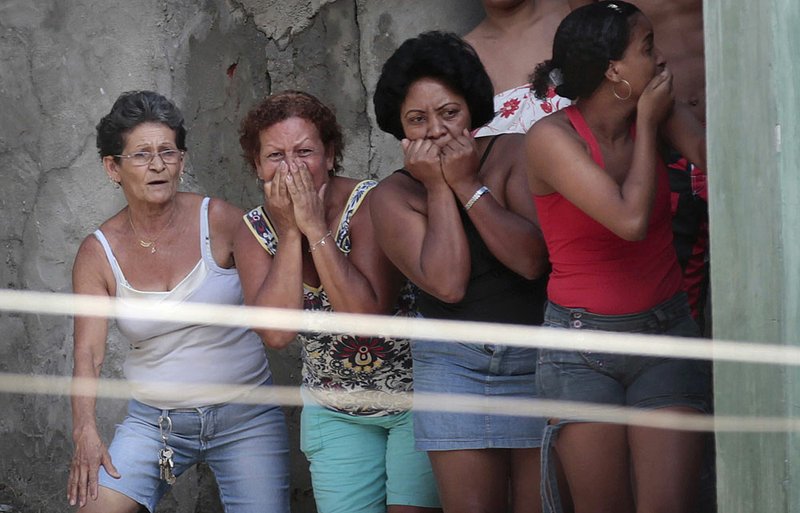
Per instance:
x=144, y=158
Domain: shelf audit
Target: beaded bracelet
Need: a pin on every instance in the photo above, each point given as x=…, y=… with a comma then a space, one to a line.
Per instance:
x=475, y=197
x=320, y=242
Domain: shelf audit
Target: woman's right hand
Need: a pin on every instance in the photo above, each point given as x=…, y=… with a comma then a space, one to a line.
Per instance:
x=422, y=158
x=657, y=99
x=278, y=202
x=90, y=454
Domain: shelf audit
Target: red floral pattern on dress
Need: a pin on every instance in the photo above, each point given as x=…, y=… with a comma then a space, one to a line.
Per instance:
x=509, y=108
x=516, y=110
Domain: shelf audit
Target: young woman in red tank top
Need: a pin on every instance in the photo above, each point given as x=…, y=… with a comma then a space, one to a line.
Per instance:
x=602, y=198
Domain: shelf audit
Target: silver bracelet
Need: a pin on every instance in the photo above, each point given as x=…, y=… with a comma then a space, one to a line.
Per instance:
x=475, y=197
x=320, y=242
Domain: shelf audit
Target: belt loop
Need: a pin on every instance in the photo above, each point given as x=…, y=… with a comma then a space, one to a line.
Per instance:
x=662, y=319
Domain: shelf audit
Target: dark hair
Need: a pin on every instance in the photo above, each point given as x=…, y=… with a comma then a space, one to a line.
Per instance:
x=440, y=55
x=129, y=111
x=585, y=42
x=282, y=106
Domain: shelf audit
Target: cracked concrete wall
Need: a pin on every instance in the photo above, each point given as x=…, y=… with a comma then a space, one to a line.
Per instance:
x=61, y=66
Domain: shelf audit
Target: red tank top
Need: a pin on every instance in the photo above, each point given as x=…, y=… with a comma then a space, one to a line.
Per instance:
x=595, y=269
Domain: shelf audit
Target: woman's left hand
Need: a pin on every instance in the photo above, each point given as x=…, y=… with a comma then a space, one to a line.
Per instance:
x=309, y=206
x=460, y=160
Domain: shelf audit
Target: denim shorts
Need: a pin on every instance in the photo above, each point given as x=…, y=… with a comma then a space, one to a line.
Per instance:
x=244, y=445
x=618, y=379
x=363, y=463
x=485, y=371
x=621, y=379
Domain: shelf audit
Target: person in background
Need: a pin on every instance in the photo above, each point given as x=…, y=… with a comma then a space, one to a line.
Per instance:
x=458, y=221
x=169, y=246
x=514, y=36
x=311, y=246
x=602, y=195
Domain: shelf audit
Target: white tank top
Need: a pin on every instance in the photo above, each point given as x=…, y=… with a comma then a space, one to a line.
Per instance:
x=189, y=355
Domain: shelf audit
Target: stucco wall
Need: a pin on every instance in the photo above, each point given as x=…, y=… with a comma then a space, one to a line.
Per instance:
x=61, y=66
x=755, y=264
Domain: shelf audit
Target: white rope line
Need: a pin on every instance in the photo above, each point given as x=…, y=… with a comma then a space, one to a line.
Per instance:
x=366, y=325
x=455, y=403
x=400, y=327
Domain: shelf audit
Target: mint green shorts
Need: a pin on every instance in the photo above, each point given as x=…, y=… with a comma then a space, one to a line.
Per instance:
x=364, y=464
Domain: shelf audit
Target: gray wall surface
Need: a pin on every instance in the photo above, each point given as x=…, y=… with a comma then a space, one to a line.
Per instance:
x=62, y=64
x=755, y=211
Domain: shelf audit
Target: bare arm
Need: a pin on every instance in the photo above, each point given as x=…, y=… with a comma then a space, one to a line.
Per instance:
x=365, y=281
x=90, y=334
x=426, y=242
x=272, y=281
x=558, y=158
x=506, y=218
x=561, y=161
x=224, y=220
x=686, y=134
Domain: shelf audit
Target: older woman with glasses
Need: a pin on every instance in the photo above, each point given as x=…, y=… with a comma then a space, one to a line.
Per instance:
x=168, y=246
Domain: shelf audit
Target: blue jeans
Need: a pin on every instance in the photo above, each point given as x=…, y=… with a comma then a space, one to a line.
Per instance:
x=244, y=445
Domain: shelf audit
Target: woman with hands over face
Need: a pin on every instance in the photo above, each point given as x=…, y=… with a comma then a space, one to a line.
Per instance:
x=458, y=221
x=602, y=194
x=312, y=246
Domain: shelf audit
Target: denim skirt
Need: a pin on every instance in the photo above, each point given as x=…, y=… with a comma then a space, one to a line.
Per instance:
x=485, y=372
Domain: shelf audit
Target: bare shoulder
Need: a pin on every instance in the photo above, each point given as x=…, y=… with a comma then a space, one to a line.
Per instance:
x=222, y=214
x=223, y=220
x=91, y=272
x=555, y=126
x=503, y=153
x=391, y=186
x=244, y=242
x=398, y=190
x=343, y=185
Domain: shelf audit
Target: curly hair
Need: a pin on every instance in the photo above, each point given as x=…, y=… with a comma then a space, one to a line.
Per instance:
x=131, y=109
x=282, y=106
x=585, y=42
x=440, y=55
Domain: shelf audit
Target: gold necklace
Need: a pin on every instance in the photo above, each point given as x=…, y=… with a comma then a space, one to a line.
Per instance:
x=152, y=243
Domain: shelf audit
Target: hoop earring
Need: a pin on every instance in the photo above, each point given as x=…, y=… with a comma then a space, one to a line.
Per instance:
x=114, y=183
x=260, y=183
x=617, y=96
x=181, y=177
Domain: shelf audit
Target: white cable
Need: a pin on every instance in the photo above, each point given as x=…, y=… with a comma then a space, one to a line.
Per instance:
x=401, y=327
x=474, y=332
x=456, y=403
